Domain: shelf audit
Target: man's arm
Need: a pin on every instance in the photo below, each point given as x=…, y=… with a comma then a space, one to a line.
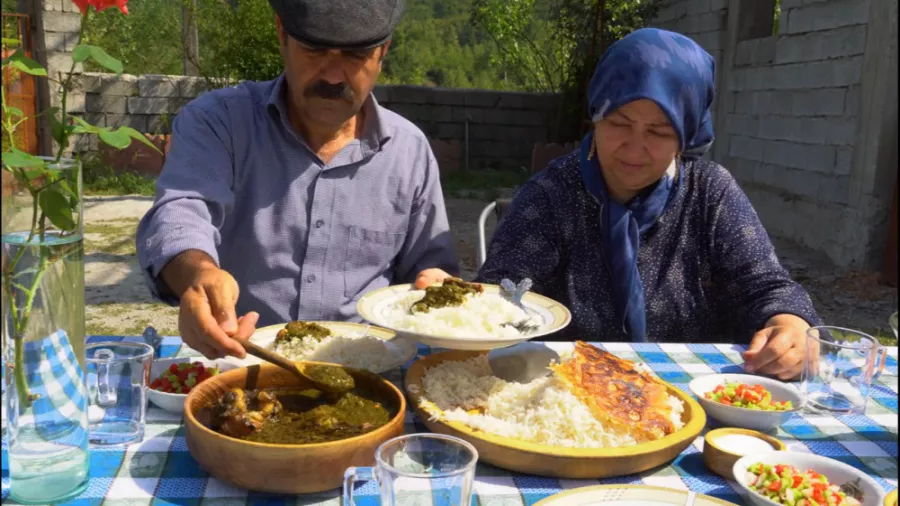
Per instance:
x=193, y=197
x=428, y=241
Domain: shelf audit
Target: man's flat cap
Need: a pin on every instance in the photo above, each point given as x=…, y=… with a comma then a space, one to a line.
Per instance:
x=340, y=24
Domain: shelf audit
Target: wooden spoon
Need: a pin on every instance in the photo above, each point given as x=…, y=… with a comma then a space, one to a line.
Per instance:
x=327, y=378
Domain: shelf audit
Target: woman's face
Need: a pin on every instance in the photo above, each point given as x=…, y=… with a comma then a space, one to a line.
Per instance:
x=635, y=144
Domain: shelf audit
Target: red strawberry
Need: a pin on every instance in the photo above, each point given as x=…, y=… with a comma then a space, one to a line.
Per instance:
x=174, y=368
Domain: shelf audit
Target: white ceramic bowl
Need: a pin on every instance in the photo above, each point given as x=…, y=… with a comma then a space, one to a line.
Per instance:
x=745, y=418
x=174, y=403
x=837, y=472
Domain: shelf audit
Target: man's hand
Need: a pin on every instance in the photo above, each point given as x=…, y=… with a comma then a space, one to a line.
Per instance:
x=429, y=277
x=208, y=294
x=207, y=318
x=779, y=349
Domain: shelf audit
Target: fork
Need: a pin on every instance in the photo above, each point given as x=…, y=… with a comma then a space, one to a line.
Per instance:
x=514, y=293
x=522, y=326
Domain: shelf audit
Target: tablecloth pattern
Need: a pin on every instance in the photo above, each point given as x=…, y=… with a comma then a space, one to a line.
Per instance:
x=160, y=471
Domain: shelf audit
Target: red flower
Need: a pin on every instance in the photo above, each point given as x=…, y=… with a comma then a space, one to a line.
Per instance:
x=101, y=5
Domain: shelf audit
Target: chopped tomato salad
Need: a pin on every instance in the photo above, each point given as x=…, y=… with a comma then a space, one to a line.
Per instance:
x=786, y=485
x=747, y=396
x=181, y=378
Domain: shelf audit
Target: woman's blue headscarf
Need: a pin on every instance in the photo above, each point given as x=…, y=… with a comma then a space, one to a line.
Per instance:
x=678, y=75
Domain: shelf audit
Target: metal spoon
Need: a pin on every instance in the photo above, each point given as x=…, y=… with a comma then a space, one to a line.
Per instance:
x=522, y=363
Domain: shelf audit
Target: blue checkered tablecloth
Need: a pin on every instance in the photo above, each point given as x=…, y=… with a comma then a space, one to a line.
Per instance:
x=160, y=470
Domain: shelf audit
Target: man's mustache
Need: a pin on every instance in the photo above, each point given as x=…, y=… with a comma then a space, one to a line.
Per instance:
x=329, y=91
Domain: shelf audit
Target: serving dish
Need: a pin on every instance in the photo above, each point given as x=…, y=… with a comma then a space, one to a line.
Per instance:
x=629, y=495
x=554, y=461
x=837, y=473
x=171, y=402
x=281, y=468
x=376, y=306
x=400, y=350
x=745, y=418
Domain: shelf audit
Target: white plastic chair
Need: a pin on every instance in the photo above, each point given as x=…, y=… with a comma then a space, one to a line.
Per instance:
x=498, y=207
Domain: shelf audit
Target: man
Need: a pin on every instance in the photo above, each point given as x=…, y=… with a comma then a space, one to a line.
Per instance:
x=302, y=191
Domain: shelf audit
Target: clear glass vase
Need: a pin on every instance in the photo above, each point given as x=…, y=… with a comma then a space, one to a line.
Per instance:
x=43, y=331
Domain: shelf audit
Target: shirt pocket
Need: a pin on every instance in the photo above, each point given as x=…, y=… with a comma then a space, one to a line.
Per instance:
x=369, y=258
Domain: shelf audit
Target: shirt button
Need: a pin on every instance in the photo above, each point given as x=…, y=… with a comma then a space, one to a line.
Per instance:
x=320, y=223
x=310, y=278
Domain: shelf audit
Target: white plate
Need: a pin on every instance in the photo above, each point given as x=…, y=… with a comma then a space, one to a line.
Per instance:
x=836, y=472
x=401, y=350
x=628, y=495
x=375, y=305
x=743, y=417
x=174, y=403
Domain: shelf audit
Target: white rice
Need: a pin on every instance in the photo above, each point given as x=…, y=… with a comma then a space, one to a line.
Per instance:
x=350, y=350
x=481, y=315
x=542, y=412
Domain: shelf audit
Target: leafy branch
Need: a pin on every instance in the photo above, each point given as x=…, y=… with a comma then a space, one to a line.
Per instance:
x=54, y=201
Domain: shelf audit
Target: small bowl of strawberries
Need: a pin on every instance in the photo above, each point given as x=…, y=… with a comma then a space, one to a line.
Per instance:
x=173, y=378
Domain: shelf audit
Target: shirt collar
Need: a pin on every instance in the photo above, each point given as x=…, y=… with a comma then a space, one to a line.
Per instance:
x=374, y=131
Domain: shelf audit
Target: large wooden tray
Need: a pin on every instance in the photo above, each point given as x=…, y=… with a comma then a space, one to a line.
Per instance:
x=559, y=462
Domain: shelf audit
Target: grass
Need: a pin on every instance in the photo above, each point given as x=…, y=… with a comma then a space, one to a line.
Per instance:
x=116, y=237
x=101, y=179
x=130, y=319
x=485, y=184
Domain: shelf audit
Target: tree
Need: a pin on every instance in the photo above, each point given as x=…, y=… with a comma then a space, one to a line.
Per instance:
x=553, y=45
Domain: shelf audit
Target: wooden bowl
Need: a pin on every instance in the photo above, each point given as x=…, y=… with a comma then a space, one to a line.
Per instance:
x=278, y=468
x=720, y=460
x=555, y=461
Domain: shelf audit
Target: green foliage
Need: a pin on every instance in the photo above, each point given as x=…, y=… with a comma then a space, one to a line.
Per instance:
x=534, y=45
x=238, y=43
x=146, y=41
x=101, y=179
x=489, y=182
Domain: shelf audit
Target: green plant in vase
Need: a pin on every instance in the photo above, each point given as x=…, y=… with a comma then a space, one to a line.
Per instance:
x=43, y=284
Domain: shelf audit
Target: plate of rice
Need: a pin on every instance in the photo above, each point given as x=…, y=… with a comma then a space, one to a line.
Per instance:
x=480, y=322
x=353, y=345
x=545, y=427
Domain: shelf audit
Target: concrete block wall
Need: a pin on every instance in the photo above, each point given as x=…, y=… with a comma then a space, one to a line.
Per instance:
x=793, y=129
x=501, y=128
x=147, y=103
x=704, y=21
x=793, y=120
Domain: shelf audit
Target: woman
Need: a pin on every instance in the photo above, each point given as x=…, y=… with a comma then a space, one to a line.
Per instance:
x=642, y=239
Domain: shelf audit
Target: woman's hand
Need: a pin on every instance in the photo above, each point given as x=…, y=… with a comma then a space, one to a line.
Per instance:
x=779, y=348
x=429, y=277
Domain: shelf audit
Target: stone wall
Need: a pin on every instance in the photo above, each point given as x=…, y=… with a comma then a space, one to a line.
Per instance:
x=501, y=128
x=794, y=121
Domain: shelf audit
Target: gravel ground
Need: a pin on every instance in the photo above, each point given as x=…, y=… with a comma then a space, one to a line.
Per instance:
x=119, y=303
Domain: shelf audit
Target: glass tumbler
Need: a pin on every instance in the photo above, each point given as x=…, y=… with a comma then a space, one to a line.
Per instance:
x=419, y=469
x=839, y=368
x=117, y=377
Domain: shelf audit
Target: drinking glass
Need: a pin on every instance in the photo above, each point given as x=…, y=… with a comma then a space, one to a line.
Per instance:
x=419, y=469
x=839, y=368
x=117, y=378
x=893, y=322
